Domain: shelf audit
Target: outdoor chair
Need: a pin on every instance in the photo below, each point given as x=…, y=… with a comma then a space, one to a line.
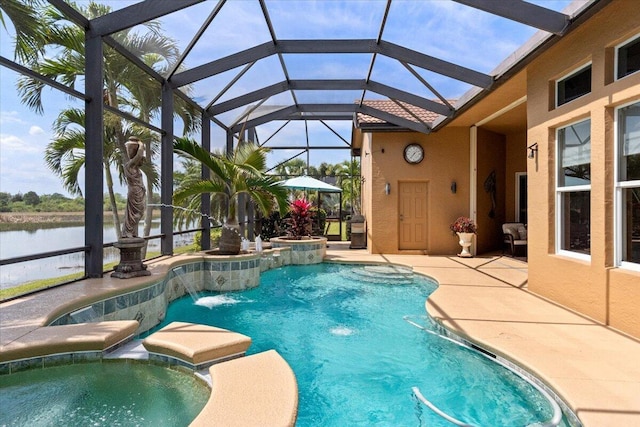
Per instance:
x=514, y=237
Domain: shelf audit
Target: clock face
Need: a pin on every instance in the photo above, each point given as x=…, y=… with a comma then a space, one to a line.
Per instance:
x=413, y=153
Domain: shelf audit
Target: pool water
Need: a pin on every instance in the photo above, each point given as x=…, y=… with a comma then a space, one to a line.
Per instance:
x=355, y=357
x=101, y=394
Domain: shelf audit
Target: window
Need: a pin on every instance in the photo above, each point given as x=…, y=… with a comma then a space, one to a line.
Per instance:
x=573, y=86
x=628, y=186
x=521, y=197
x=573, y=190
x=628, y=58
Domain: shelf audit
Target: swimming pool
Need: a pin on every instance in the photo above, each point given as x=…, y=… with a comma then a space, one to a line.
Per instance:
x=111, y=393
x=343, y=331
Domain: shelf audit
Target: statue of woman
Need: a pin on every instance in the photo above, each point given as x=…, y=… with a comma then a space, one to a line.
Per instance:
x=136, y=194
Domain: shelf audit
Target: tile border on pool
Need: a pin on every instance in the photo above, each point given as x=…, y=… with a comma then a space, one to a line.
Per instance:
x=207, y=272
x=58, y=359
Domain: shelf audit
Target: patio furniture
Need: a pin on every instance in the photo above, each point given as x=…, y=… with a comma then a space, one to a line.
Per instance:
x=514, y=237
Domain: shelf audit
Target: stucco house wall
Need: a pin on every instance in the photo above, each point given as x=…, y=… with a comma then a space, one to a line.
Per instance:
x=446, y=160
x=595, y=287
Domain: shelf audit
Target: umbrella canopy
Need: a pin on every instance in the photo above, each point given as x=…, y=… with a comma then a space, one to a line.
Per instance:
x=308, y=183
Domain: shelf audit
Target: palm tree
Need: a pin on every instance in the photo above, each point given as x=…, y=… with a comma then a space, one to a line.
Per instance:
x=146, y=102
x=240, y=173
x=30, y=33
x=189, y=210
x=348, y=179
x=65, y=154
x=290, y=168
x=126, y=87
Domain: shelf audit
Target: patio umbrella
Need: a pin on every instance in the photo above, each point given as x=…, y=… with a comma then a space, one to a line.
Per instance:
x=308, y=183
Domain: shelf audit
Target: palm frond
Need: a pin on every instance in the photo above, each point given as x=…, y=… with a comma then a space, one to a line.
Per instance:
x=197, y=188
x=192, y=150
x=30, y=33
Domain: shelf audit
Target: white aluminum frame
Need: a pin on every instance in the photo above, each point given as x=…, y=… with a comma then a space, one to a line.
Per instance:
x=615, y=62
x=517, y=207
x=566, y=76
x=559, y=192
x=618, y=186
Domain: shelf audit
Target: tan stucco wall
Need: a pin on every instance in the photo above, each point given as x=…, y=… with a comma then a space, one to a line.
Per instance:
x=609, y=296
x=446, y=160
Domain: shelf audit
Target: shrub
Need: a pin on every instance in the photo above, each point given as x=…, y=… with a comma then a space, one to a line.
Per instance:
x=272, y=226
x=300, y=219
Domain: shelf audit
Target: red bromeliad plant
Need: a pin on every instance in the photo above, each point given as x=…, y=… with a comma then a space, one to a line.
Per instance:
x=463, y=225
x=300, y=219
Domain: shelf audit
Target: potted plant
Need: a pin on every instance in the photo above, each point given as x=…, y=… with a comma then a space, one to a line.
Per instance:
x=465, y=228
x=239, y=173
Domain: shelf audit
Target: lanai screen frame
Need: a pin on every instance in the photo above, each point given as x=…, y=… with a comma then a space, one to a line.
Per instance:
x=98, y=31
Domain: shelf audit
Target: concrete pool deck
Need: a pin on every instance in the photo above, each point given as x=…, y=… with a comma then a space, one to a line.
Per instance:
x=595, y=369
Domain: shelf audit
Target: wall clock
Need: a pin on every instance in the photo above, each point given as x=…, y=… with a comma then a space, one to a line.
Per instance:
x=413, y=153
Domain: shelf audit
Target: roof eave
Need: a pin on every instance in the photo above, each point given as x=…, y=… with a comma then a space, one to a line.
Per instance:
x=523, y=56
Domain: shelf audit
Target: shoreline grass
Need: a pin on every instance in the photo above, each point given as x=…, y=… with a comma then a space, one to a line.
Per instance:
x=42, y=284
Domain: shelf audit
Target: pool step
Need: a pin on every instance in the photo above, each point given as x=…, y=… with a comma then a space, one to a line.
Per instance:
x=195, y=346
x=257, y=390
x=390, y=274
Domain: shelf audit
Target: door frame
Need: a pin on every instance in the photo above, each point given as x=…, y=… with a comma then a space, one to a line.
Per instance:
x=519, y=176
x=424, y=249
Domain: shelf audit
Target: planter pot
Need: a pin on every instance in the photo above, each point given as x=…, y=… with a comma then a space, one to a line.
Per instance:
x=465, y=241
x=308, y=251
x=230, y=241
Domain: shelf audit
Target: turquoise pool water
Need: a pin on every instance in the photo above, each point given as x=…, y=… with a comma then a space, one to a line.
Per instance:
x=100, y=394
x=356, y=359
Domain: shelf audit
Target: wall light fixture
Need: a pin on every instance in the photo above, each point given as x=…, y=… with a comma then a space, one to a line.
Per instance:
x=533, y=150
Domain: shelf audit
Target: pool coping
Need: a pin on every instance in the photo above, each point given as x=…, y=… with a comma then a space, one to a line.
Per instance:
x=484, y=300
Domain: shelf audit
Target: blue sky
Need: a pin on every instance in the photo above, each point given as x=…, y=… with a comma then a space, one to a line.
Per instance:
x=440, y=28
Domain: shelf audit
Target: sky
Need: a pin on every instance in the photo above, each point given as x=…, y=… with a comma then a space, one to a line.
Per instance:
x=440, y=28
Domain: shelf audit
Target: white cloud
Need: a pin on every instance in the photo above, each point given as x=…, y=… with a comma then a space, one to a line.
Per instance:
x=36, y=130
x=13, y=144
x=11, y=117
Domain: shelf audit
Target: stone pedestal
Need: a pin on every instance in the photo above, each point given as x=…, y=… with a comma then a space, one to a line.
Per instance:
x=130, y=258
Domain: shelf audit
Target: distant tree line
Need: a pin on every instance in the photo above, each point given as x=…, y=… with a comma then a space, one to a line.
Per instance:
x=56, y=202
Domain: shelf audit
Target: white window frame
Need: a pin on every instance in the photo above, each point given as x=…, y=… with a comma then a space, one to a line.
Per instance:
x=617, y=49
x=560, y=191
x=519, y=175
x=619, y=187
x=566, y=76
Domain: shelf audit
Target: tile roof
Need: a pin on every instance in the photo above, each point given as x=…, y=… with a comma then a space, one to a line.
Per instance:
x=391, y=107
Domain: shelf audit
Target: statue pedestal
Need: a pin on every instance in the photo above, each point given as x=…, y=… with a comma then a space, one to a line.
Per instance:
x=130, y=258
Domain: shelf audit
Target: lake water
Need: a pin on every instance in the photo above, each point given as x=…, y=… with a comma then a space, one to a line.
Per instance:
x=22, y=242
